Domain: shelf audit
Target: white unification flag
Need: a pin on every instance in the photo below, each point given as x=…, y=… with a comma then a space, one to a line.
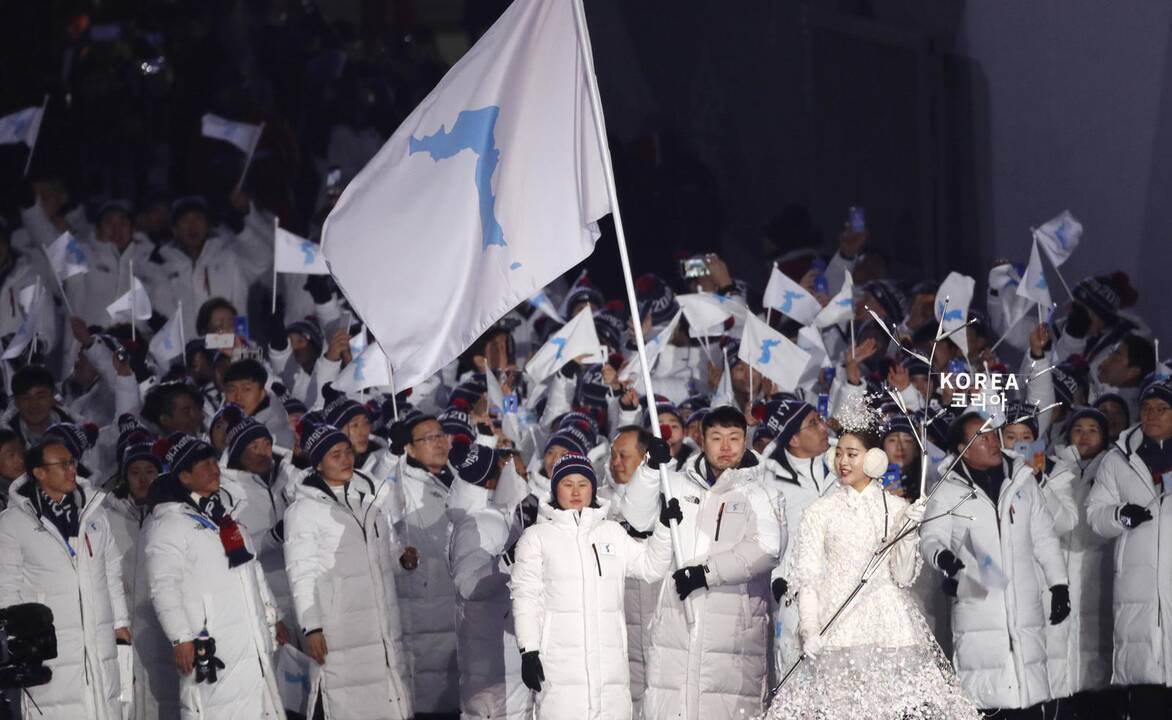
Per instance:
x=810, y=340
x=542, y=302
x=294, y=254
x=633, y=370
x=368, y=369
x=958, y=289
x=167, y=344
x=136, y=297
x=67, y=256
x=32, y=300
x=771, y=354
x=1005, y=307
x=574, y=339
x=487, y=192
x=1033, y=281
x=705, y=312
x=22, y=126
x=789, y=298
x=724, y=390
x=243, y=135
x=1059, y=237
x=841, y=307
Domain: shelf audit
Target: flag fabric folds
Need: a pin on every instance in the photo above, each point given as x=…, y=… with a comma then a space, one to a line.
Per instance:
x=771, y=354
x=136, y=297
x=368, y=369
x=1033, y=281
x=488, y=191
x=841, y=307
x=167, y=344
x=572, y=340
x=294, y=254
x=1060, y=237
x=67, y=257
x=244, y=136
x=789, y=298
x=958, y=289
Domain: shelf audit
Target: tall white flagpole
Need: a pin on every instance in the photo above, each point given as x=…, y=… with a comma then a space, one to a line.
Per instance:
x=60, y=285
x=32, y=148
x=133, y=305
x=276, y=229
x=636, y=321
x=182, y=336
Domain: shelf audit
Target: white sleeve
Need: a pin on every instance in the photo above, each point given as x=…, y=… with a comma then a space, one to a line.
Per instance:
x=303, y=565
x=528, y=590
x=167, y=559
x=113, y=561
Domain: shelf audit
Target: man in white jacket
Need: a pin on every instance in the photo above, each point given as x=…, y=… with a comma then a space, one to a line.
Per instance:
x=109, y=253
x=732, y=532
x=1127, y=503
x=209, y=592
x=57, y=548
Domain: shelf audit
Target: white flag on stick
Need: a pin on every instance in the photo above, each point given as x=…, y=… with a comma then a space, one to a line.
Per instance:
x=841, y=307
x=789, y=298
x=167, y=344
x=1060, y=237
x=724, y=392
x=22, y=126
x=294, y=254
x=244, y=136
x=1033, y=282
x=67, y=257
x=704, y=311
x=542, y=302
x=369, y=369
x=771, y=354
x=32, y=300
x=634, y=368
x=958, y=289
x=136, y=297
x=494, y=183
x=574, y=339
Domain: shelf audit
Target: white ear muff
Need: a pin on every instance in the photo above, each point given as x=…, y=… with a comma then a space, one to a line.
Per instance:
x=875, y=463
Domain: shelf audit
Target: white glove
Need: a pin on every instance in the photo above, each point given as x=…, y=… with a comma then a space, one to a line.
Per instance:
x=915, y=511
x=812, y=644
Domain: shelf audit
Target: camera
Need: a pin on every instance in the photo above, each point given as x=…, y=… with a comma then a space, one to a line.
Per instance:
x=27, y=639
x=694, y=267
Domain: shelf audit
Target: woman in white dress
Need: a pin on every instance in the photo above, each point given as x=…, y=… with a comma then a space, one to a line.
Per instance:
x=878, y=659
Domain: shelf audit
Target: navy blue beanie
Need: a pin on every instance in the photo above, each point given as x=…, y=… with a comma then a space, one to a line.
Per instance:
x=572, y=464
x=241, y=434
x=342, y=410
x=571, y=439
x=655, y=297
x=456, y=422
x=1088, y=413
x=784, y=418
x=473, y=463
x=318, y=441
x=180, y=452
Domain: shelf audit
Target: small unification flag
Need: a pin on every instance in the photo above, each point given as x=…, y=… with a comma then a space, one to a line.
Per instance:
x=542, y=302
x=369, y=369
x=789, y=298
x=1060, y=237
x=67, y=256
x=958, y=289
x=724, y=390
x=136, y=297
x=841, y=307
x=294, y=254
x=633, y=370
x=22, y=126
x=1033, y=283
x=167, y=344
x=706, y=313
x=771, y=354
x=32, y=300
x=244, y=136
x=574, y=339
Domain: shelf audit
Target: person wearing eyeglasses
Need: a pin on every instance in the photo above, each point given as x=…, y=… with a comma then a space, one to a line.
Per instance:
x=1127, y=504
x=57, y=548
x=427, y=594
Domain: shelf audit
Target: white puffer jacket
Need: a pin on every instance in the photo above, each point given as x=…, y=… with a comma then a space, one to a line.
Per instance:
x=1080, y=649
x=156, y=685
x=568, y=588
x=193, y=589
x=490, y=667
x=427, y=595
x=37, y=565
x=1142, y=591
x=736, y=530
x=342, y=557
x=998, y=635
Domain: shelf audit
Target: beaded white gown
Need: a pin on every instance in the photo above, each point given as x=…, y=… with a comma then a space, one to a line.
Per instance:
x=880, y=659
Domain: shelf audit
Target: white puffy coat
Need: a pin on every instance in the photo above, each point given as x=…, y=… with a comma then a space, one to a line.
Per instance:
x=156, y=686
x=108, y=276
x=217, y=272
x=568, y=588
x=341, y=556
x=1142, y=590
x=427, y=595
x=193, y=589
x=998, y=635
x=736, y=530
x=490, y=667
x=1080, y=649
x=82, y=585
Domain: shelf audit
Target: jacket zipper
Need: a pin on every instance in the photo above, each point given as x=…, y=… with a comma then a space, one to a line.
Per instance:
x=597, y=561
x=719, y=517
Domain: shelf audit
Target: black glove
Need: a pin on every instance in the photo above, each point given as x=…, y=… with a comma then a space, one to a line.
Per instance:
x=400, y=438
x=532, y=674
x=949, y=587
x=658, y=453
x=1059, y=603
x=689, y=579
x=669, y=511
x=1078, y=321
x=570, y=370
x=510, y=554
x=1132, y=515
x=206, y=662
x=949, y=563
x=779, y=588
x=319, y=288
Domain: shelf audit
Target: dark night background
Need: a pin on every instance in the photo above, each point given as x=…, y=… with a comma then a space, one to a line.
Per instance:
x=743, y=127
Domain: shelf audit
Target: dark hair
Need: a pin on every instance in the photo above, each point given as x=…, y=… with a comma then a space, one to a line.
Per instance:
x=464, y=361
x=1140, y=353
x=204, y=316
x=160, y=400
x=34, y=457
x=956, y=433
x=7, y=436
x=869, y=438
x=725, y=416
x=32, y=376
x=642, y=435
x=247, y=369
